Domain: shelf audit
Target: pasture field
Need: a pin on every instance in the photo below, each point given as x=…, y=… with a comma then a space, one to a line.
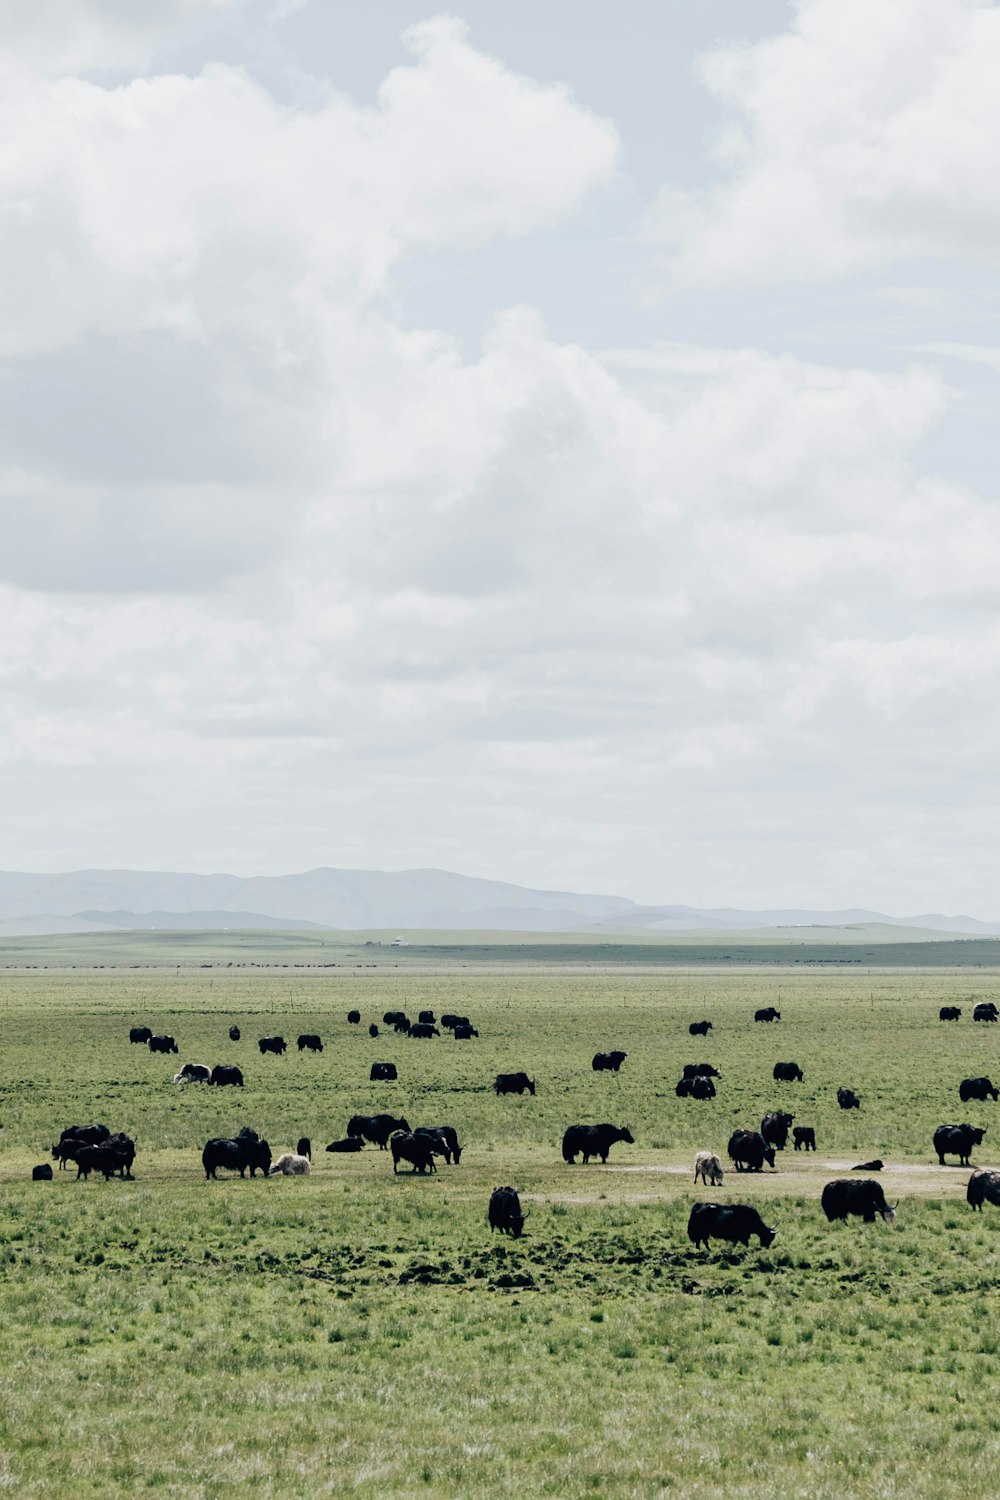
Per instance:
x=356, y=1333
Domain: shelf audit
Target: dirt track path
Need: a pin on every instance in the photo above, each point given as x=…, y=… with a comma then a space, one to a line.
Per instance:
x=793, y=1178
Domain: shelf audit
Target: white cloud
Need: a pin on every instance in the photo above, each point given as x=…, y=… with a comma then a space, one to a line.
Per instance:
x=862, y=135
x=326, y=589
x=99, y=35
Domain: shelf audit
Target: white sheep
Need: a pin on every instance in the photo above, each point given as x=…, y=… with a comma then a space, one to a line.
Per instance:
x=290, y=1165
x=708, y=1166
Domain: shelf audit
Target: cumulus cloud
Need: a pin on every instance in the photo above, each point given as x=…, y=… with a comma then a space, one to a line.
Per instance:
x=327, y=588
x=862, y=135
x=97, y=35
x=197, y=282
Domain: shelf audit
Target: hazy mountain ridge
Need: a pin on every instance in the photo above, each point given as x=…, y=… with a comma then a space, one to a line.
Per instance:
x=353, y=900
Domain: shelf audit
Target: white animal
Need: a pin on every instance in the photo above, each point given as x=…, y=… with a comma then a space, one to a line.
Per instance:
x=193, y=1073
x=708, y=1167
x=290, y=1165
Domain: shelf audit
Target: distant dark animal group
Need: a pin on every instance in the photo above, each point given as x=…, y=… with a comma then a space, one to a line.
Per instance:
x=94, y=1148
x=700, y=1086
x=245, y=1152
x=221, y=1075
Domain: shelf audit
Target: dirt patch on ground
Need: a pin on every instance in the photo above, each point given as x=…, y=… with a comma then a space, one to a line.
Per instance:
x=802, y=1177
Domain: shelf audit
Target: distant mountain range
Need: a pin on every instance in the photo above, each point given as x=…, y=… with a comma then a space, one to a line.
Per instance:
x=374, y=900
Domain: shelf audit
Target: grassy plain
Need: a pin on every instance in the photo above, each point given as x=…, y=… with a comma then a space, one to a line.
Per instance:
x=353, y=1333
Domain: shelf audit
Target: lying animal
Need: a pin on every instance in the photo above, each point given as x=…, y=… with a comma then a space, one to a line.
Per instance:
x=290, y=1165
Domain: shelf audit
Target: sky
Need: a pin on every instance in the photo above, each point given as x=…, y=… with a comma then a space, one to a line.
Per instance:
x=553, y=441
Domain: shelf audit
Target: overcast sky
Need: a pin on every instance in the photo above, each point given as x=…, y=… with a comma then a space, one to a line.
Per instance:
x=554, y=440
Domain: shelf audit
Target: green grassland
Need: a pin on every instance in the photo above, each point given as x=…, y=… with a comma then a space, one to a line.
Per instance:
x=356, y=1333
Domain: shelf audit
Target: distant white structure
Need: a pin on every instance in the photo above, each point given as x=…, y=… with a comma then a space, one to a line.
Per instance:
x=399, y=942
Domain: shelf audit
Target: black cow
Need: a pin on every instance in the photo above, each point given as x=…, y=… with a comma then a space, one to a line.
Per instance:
x=450, y=1022
x=246, y=1151
x=124, y=1148
x=505, y=1212
x=139, y=1034
x=698, y=1087
x=424, y=1028
x=275, y=1044
x=734, y=1222
x=373, y=1031
x=392, y=1016
x=984, y=1187
x=224, y=1074
x=957, y=1140
x=804, y=1137
x=855, y=1195
x=987, y=1011
x=382, y=1072
x=869, y=1166
x=699, y=1028
x=114, y=1155
x=76, y=1136
x=162, y=1044
x=350, y=1143
x=749, y=1151
x=787, y=1072
x=42, y=1173
x=950, y=1013
x=426, y=1018
x=774, y=1129
x=403, y=1026
x=848, y=1099
x=513, y=1083
x=353, y=1017
x=416, y=1149
x=376, y=1128
x=767, y=1013
x=593, y=1140
x=304, y=1148
x=445, y=1139
x=608, y=1062
x=234, y=1033
x=309, y=1040
x=700, y=1070
x=464, y=1033
x=977, y=1088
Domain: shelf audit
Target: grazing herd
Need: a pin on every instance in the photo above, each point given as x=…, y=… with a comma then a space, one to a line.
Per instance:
x=95, y=1149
